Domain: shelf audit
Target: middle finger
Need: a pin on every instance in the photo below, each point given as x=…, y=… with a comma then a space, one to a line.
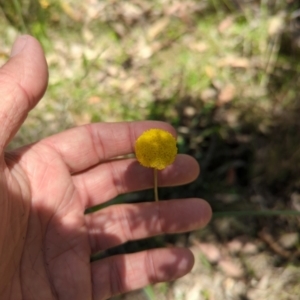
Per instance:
x=110, y=179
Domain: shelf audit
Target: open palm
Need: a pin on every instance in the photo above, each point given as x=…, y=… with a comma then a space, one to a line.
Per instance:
x=46, y=240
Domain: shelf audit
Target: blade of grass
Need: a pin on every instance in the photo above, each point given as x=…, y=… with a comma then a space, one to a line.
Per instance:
x=267, y=213
x=18, y=9
x=149, y=292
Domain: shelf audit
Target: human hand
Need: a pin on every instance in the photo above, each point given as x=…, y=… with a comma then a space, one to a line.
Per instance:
x=46, y=240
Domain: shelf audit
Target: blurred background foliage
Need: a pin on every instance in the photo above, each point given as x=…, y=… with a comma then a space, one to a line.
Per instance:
x=225, y=73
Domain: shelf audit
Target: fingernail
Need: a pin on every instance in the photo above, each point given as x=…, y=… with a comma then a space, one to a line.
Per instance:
x=18, y=45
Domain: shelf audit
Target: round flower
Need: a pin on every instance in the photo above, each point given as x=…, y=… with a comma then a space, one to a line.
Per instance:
x=156, y=148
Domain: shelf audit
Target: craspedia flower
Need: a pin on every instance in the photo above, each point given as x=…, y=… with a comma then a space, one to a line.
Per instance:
x=156, y=148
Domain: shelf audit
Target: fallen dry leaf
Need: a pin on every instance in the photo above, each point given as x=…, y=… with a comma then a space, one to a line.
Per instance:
x=94, y=100
x=250, y=248
x=289, y=240
x=208, y=94
x=235, y=246
x=130, y=12
x=210, y=71
x=276, y=24
x=225, y=24
x=157, y=28
x=210, y=251
x=199, y=47
x=71, y=12
x=231, y=268
x=226, y=94
x=234, y=62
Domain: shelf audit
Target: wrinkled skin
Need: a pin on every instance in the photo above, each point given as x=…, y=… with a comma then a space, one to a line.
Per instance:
x=46, y=240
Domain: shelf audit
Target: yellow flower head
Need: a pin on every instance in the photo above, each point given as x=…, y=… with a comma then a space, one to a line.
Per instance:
x=156, y=148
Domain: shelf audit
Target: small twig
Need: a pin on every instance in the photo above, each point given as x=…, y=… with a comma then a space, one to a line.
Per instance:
x=269, y=240
x=274, y=246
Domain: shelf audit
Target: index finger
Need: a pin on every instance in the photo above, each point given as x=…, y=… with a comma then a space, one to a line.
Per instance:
x=88, y=145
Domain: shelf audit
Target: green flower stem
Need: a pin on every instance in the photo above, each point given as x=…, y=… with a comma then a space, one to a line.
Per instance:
x=155, y=185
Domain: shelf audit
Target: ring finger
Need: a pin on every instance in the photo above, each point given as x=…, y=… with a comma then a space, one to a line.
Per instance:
x=118, y=224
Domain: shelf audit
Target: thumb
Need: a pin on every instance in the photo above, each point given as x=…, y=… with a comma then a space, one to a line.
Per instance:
x=23, y=81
